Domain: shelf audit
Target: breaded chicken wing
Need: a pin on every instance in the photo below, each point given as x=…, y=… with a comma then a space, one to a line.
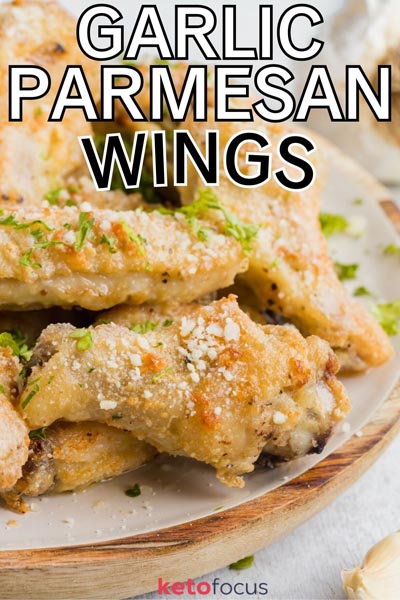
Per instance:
x=75, y=455
x=193, y=388
x=35, y=155
x=60, y=257
x=14, y=440
x=290, y=270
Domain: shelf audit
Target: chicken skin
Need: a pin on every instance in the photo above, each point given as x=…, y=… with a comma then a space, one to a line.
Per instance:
x=290, y=271
x=35, y=155
x=71, y=456
x=193, y=388
x=14, y=440
x=63, y=257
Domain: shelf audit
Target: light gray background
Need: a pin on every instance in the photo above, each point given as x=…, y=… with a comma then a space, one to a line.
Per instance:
x=306, y=564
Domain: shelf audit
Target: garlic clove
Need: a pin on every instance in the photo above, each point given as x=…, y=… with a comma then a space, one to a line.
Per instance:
x=378, y=578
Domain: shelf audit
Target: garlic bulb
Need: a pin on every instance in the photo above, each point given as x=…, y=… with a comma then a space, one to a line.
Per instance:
x=366, y=33
x=378, y=578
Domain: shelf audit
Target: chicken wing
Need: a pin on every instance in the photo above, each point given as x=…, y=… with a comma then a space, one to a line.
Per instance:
x=74, y=455
x=290, y=270
x=14, y=440
x=35, y=155
x=193, y=388
x=61, y=257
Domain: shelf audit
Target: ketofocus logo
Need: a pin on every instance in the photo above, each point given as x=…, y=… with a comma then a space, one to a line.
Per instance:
x=216, y=588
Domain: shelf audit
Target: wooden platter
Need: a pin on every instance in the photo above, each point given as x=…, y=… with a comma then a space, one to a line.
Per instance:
x=126, y=567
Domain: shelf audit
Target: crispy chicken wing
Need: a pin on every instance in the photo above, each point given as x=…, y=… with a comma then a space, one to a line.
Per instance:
x=60, y=257
x=75, y=455
x=14, y=439
x=35, y=155
x=290, y=270
x=193, y=388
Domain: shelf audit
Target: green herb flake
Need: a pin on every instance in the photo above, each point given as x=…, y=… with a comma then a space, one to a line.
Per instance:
x=161, y=375
x=116, y=417
x=208, y=200
x=85, y=226
x=362, y=291
x=53, y=196
x=26, y=260
x=84, y=337
x=358, y=202
x=332, y=224
x=388, y=316
x=167, y=323
x=134, y=491
x=2, y=389
x=346, y=272
x=35, y=389
x=139, y=240
x=91, y=369
x=391, y=250
x=15, y=340
x=11, y=221
x=110, y=242
x=144, y=327
x=38, y=434
x=242, y=564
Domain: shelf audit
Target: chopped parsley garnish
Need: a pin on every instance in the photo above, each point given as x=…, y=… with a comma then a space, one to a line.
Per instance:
x=38, y=434
x=167, y=322
x=15, y=340
x=391, y=250
x=11, y=221
x=362, y=291
x=116, y=417
x=85, y=226
x=134, y=491
x=52, y=196
x=208, y=200
x=144, y=327
x=332, y=224
x=139, y=240
x=242, y=564
x=162, y=374
x=84, y=337
x=388, y=316
x=357, y=201
x=35, y=389
x=110, y=242
x=2, y=389
x=91, y=369
x=346, y=272
x=26, y=260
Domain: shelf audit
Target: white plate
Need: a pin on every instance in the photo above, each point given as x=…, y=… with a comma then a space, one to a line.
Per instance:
x=175, y=491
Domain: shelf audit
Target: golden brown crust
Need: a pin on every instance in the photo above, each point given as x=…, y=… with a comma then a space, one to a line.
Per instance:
x=192, y=388
x=35, y=155
x=290, y=270
x=75, y=455
x=149, y=257
x=14, y=439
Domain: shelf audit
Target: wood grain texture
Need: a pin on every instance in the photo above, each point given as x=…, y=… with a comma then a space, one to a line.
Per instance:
x=131, y=566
